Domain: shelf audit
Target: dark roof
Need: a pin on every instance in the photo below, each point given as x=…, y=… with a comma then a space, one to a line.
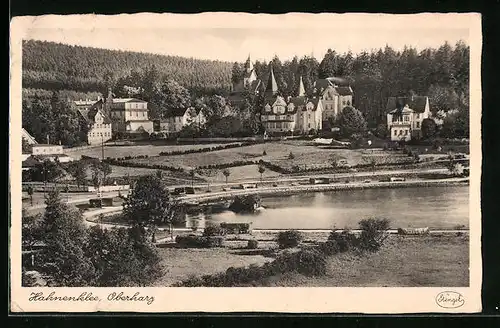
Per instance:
x=89, y=115
x=344, y=91
x=30, y=162
x=315, y=102
x=298, y=101
x=174, y=112
x=321, y=84
x=417, y=103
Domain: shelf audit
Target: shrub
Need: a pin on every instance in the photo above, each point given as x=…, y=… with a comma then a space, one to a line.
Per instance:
x=264, y=153
x=192, y=241
x=253, y=244
x=212, y=230
x=289, y=238
x=311, y=262
x=330, y=247
x=291, y=156
x=343, y=241
x=373, y=234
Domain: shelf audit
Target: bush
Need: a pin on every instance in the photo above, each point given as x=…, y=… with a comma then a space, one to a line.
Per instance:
x=253, y=244
x=373, y=234
x=291, y=156
x=309, y=262
x=330, y=247
x=288, y=239
x=212, y=230
x=342, y=241
x=192, y=241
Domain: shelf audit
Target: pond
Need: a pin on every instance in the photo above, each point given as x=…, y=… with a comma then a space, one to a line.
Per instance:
x=443, y=207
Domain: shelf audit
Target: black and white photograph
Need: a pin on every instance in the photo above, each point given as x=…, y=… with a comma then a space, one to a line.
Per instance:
x=275, y=154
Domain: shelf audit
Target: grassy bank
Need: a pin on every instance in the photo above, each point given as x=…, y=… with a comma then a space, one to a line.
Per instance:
x=403, y=261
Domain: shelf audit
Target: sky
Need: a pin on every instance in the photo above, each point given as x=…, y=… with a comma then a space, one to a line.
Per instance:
x=232, y=37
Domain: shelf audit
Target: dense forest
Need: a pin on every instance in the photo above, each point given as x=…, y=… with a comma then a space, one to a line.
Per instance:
x=442, y=74
x=54, y=66
x=55, y=72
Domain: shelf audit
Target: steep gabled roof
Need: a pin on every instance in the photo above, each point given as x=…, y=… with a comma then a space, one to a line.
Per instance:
x=272, y=86
x=89, y=115
x=176, y=112
x=417, y=103
x=302, y=91
x=344, y=91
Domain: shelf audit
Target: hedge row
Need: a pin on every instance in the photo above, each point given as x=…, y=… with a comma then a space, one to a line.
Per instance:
x=120, y=162
x=227, y=165
x=309, y=262
x=205, y=150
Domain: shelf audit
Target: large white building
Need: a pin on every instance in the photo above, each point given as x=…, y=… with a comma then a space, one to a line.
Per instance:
x=98, y=124
x=126, y=115
x=299, y=114
x=405, y=116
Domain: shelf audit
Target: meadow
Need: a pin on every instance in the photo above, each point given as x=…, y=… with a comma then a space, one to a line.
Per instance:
x=304, y=154
x=133, y=150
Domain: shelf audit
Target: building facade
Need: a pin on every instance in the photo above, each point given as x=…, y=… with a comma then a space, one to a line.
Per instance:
x=405, y=116
x=178, y=118
x=334, y=97
x=47, y=149
x=98, y=124
x=298, y=114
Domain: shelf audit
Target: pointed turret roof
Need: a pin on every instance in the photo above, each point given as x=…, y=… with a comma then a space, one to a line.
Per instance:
x=302, y=90
x=248, y=64
x=272, y=86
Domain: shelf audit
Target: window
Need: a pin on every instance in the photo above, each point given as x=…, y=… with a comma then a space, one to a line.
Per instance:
x=395, y=132
x=406, y=132
x=406, y=118
x=308, y=116
x=418, y=125
x=308, y=125
x=418, y=116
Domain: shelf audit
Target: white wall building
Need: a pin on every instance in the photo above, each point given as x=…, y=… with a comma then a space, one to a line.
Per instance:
x=405, y=116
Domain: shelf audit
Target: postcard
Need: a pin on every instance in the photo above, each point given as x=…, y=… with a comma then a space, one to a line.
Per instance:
x=235, y=162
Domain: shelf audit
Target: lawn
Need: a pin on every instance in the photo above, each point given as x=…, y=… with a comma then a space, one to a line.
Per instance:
x=239, y=173
x=180, y=264
x=305, y=154
x=405, y=261
x=136, y=150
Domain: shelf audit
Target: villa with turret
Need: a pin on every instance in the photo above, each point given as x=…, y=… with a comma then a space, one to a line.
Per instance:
x=303, y=112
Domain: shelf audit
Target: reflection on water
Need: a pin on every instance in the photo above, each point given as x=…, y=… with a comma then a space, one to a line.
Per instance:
x=435, y=207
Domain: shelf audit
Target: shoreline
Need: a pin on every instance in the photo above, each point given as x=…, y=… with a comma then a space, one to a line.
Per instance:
x=290, y=190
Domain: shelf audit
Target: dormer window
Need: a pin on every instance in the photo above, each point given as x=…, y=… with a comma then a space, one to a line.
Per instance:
x=267, y=108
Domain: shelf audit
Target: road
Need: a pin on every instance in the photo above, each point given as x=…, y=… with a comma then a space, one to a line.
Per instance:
x=298, y=178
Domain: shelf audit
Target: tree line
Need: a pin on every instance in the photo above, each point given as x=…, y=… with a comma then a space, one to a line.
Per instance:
x=55, y=66
x=441, y=73
x=168, y=82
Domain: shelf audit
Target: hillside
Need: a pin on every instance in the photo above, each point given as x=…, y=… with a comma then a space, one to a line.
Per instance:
x=55, y=66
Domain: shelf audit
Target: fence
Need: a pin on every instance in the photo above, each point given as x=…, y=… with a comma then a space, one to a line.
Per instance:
x=109, y=188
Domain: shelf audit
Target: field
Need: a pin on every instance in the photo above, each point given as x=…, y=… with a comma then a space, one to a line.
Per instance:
x=137, y=150
x=430, y=261
x=403, y=261
x=180, y=264
x=239, y=173
x=305, y=154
